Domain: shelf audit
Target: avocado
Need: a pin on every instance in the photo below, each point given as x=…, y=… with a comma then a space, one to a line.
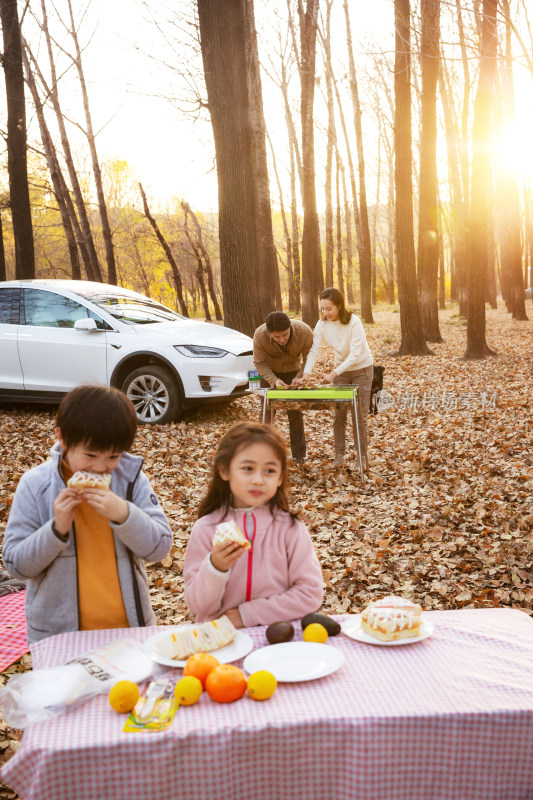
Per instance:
x=332, y=627
x=279, y=632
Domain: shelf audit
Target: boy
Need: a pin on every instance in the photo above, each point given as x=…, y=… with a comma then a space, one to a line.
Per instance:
x=83, y=556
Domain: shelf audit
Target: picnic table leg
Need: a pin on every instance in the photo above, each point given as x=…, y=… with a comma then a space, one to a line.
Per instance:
x=356, y=433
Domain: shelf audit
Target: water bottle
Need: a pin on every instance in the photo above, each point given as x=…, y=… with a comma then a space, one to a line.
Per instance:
x=254, y=380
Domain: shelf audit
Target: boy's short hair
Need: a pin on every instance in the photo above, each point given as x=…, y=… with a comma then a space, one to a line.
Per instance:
x=277, y=321
x=101, y=417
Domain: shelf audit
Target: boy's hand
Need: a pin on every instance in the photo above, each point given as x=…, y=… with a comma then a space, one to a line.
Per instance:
x=225, y=554
x=108, y=504
x=65, y=506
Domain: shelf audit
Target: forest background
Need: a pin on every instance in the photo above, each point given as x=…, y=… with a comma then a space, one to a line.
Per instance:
x=383, y=151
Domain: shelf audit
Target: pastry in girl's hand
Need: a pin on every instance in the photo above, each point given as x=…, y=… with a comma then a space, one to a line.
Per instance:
x=89, y=480
x=230, y=532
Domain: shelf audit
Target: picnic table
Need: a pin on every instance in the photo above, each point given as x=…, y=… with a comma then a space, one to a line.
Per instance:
x=447, y=718
x=307, y=399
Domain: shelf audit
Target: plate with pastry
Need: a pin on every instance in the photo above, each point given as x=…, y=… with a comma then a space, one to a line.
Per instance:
x=174, y=645
x=390, y=621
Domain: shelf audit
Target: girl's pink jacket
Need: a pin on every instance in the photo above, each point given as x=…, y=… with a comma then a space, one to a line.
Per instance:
x=280, y=573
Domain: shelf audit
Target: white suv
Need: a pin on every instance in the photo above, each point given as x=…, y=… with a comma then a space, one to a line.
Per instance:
x=56, y=334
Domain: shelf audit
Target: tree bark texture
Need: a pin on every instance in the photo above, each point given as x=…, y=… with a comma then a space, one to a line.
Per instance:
x=222, y=36
x=3, y=271
x=365, y=265
x=270, y=291
x=428, y=236
x=476, y=345
x=16, y=141
x=202, y=256
x=170, y=258
x=312, y=276
x=413, y=340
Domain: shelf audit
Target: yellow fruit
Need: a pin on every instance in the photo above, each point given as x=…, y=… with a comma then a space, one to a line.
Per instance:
x=188, y=690
x=123, y=696
x=261, y=685
x=315, y=632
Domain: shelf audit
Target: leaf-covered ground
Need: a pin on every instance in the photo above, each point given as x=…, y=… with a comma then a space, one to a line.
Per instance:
x=445, y=517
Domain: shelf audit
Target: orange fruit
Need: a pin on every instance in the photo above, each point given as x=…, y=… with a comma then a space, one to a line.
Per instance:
x=225, y=683
x=200, y=665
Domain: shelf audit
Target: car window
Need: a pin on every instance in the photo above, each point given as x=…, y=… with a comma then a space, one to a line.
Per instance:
x=6, y=301
x=135, y=310
x=50, y=310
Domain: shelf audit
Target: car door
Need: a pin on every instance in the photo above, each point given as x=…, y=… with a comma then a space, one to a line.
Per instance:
x=55, y=357
x=11, y=382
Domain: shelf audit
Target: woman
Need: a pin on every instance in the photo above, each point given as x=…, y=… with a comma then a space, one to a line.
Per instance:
x=343, y=331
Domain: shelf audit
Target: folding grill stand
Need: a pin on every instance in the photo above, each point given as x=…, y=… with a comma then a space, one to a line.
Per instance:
x=334, y=394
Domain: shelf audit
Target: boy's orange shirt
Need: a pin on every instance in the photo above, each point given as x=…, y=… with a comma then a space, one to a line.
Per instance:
x=99, y=594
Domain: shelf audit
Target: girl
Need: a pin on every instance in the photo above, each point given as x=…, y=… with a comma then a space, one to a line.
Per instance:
x=343, y=331
x=279, y=577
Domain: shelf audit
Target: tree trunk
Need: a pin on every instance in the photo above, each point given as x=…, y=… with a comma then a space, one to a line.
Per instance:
x=476, y=345
x=222, y=38
x=291, y=287
x=348, y=228
x=170, y=258
x=102, y=207
x=340, y=279
x=16, y=142
x=330, y=146
x=54, y=169
x=428, y=229
x=3, y=272
x=413, y=341
x=95, y=271
x=312, y=278
x=202, y=256
x=365, y=265
x=511, y=245
x=270, y=292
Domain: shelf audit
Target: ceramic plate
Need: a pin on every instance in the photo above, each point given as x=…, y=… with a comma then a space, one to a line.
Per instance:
x=292, y=662
x=352, y=628
x=238, y=648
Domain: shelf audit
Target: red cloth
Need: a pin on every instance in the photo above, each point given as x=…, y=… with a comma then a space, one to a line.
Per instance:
x=13, y=636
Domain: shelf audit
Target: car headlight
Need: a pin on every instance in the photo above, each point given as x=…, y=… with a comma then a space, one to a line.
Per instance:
x=198, y=351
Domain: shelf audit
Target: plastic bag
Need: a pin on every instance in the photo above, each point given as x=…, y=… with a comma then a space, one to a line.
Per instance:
x=45, y=693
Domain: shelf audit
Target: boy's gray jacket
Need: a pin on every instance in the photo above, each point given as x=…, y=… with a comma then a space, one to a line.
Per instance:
x=33, y=552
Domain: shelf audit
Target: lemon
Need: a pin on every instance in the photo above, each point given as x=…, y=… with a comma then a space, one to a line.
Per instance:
x=188, y=690
x=315, y=632
x=261, y=685
x=123, y=696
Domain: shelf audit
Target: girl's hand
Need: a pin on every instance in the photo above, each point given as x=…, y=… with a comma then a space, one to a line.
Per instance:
x=108, y=504
x=234, y=616
x=225, y=554
x=329, y=378
x=65, y=506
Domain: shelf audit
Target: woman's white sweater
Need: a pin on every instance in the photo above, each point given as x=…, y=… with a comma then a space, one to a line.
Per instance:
x=348, y=342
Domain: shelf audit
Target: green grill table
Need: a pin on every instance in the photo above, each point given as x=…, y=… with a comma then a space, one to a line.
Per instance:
x=312, y=399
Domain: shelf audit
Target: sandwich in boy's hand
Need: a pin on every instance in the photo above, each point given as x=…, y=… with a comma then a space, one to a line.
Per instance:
x=229, y=532
x=89, y=480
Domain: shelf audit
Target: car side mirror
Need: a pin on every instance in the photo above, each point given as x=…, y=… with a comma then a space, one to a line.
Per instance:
x=85, y=324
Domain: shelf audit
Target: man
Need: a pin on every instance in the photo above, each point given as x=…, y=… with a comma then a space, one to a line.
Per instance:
x=281, y=346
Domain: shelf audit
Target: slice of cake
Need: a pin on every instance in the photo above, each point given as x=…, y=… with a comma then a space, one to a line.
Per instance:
x=89, y=480
x=230, y=532
x=202, y=638
x=392, y=618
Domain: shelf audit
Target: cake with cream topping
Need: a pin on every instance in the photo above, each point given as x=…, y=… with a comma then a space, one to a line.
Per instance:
x=392, y=618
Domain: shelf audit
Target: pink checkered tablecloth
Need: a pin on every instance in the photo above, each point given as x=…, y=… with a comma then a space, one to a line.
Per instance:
x=447, y=718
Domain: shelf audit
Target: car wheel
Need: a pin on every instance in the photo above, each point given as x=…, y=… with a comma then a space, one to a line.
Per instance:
x=154, y=393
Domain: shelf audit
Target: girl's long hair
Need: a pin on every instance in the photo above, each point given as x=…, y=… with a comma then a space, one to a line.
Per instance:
x=337, y=299
x=242, y=435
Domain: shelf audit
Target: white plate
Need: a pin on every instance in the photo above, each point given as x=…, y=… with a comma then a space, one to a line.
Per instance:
x=352, y=628
x=292, y=662
x=238, y=648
